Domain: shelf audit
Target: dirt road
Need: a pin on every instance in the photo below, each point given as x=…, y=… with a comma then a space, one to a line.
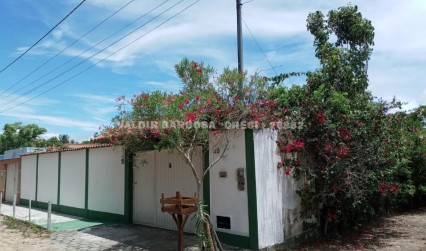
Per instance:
x=405, y=231
x=14, y=239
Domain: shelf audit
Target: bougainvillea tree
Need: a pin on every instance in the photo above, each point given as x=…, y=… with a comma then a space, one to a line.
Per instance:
x=364, y=155
x=200, y=116
x=357, y=143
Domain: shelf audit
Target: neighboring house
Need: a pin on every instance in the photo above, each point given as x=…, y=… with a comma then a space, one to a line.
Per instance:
x=252, y=204
x=10, y=172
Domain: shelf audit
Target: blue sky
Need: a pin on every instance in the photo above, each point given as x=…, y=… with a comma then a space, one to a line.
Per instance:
x=205, y=32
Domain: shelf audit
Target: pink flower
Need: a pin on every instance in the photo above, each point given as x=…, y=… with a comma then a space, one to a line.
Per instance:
x=297, y=145
x=216, y=133
x=197, y=98
x=180, y=106
x=186, y=101
x=320, y=117
x=284, y=110
x=195, y=65
x=199, y=70
x=287, y=171
x=287, y=148
x=190, y=117
x=235, y=98
x=345, y=134
x=343, y=152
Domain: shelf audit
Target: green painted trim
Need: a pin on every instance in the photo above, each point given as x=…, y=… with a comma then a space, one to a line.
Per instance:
x=234, y=240
x=36, y=188
x=206, y=182
x=103, y=216
x=24, y=202
x=251, y=189
x=86, y=192
x=44, y=205
x=80, y=212
x=59, y=179
x=128, y=186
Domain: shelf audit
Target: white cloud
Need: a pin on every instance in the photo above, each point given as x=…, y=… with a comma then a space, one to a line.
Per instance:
x=56, y=121
x=98, y=106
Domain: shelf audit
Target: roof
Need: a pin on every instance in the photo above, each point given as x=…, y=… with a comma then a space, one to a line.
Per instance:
x=73, y=147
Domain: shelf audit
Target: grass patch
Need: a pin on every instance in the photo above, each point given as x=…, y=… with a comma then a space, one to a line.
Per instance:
x=26, y=228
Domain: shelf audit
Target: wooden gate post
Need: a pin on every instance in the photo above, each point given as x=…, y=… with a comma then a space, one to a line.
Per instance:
x=180, y=208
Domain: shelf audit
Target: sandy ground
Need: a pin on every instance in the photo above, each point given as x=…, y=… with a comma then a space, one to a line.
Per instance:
x=405, y=231
x=15, y=240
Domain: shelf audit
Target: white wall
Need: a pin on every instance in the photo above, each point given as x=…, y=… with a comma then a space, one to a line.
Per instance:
x=225, y=198
x=269, y=189
x=48, y=178
x=28, y=177
x=154, y=176
x=73, y=178
x=293, y=223
x=106, y=180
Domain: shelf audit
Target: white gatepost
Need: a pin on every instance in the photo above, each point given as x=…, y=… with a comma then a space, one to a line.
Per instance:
x=49, y=214
x=14, y=205
x=29, y=210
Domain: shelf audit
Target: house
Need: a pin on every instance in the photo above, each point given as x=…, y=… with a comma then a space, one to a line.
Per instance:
x=252, y=203
x=10, y=172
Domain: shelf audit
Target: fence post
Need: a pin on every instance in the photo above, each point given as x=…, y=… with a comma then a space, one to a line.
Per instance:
x=29, y=210
x=1, y=200
x=49, y=214
x=14, y=205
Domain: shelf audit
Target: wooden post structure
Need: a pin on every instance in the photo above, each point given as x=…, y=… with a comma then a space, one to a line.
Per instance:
x=180, y=208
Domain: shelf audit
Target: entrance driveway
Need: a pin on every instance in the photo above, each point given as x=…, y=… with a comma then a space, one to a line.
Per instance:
x=73, y=233
x=121, y=237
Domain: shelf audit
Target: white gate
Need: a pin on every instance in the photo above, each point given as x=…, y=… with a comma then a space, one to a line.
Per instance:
x=155, y=173
x=11, y=181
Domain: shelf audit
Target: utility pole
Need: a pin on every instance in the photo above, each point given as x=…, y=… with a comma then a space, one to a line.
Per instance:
x=240, y=41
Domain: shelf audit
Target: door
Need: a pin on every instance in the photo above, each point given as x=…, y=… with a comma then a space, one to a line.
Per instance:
x=144, y=197
x=156, y=173
x=11, y=181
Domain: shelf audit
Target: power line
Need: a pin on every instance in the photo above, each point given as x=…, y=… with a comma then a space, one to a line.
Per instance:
x=260, y=48
x=112, y=54
x=93, y=46
x=25, y=52
x=59, y=53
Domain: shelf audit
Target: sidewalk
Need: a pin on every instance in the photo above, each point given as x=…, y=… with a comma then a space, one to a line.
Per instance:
x=39, y=217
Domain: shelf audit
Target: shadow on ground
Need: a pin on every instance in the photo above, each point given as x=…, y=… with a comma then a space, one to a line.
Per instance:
x=145, y=238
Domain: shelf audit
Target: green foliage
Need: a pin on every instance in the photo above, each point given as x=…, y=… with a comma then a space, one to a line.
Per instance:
x=18, y=135
x=367, y=159
x=345, y=61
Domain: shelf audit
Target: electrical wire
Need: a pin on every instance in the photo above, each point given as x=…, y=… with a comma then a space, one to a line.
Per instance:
x=112, y=54
x=93, y=46
x=260, y=48
x=59, y=53
x=32, y=46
